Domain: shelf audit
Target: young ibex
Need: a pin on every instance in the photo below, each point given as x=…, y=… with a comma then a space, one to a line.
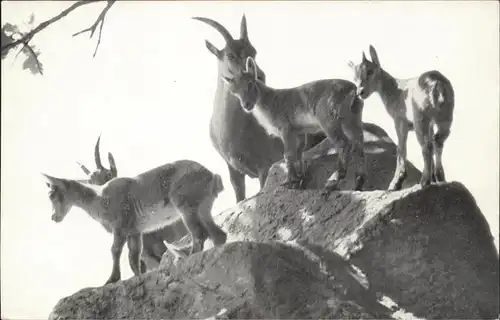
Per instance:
x=328, y=105
x=243, y=144
x=153, y=243
x=130, y=207
x=431, y=98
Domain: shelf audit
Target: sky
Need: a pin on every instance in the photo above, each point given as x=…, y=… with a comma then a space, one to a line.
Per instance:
x=150, y=91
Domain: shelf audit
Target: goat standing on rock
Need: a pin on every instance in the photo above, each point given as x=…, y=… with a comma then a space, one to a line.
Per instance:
x=129, y=207
x=431, y=98
x=243, y=144
x=155, y=243
x=329, y=106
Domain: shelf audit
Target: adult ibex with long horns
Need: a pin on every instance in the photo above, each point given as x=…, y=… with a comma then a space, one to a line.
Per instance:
x=244, y=145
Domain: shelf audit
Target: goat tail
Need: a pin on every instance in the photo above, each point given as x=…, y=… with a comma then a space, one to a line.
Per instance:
x=438, y=93
x=218, y=186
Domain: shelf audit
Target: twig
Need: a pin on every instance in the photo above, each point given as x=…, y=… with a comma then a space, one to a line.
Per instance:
x=100, y=20
x=27, y=38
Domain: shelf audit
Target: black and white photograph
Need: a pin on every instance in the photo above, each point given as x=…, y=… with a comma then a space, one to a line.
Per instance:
x=250, y=160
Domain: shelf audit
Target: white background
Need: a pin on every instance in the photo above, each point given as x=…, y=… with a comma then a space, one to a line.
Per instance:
x=150, y=91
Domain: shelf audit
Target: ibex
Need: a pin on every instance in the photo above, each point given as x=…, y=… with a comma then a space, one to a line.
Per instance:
x=153, y=243
x=243, y=144
x=431, y=99
x=130, y=207
x=101, y=175
x=329, y=105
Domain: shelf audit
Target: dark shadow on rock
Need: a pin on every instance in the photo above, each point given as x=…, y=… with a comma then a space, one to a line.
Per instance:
x=310, y=283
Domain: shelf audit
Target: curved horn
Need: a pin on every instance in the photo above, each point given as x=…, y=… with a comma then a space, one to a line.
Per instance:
x=97, y=156
x=84, y=168
x=217, y=26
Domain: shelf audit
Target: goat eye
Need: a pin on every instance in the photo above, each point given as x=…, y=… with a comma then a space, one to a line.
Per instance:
x=231, y=56
x=369, y=72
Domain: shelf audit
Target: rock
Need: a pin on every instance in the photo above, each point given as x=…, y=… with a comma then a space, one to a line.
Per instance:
x=154, y=246
x=413, y=253
x=321, y=162
x=241, y=279
x=421, y=253
x=430, y=250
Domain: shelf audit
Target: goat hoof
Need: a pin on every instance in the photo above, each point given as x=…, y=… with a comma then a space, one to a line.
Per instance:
x=360, y=181
x=332, y=186
x=439, y=176
x=144, y=268
x=197, y=247
x=395, y=186
x=220, y=239
x=112, y=280
x=425, y=182
x=325, y=194
x=293, y=184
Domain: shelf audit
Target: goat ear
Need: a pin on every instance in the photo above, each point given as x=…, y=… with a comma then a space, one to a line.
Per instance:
x=374, y=56
x=54, y=182
x=216, y=52
x=227, y=80
x=243, y=28
x=363, y=58
x=112, y=165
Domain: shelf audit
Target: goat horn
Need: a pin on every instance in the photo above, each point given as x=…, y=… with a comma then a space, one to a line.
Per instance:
x=97, y=155
x=84, y=168
x=217, y=26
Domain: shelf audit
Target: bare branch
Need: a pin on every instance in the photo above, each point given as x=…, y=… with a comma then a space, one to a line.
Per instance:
x=100, y=20
x=27, y=38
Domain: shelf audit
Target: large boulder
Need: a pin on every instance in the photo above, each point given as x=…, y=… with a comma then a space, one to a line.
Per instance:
x=413, y=253
x=430, y=250
x=419, y=253
x=238, y=280
x=321, y=162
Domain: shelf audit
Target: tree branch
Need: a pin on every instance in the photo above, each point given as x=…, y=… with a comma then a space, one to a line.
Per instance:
x=27, y=38
x=100, y=20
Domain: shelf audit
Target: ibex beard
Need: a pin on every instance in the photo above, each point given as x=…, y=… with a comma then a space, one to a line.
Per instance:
x=330, y=106
x=130, y=207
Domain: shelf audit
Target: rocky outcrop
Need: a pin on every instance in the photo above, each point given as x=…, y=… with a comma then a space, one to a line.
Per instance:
x=430, y=250
x=321, y=162
x=414, y=253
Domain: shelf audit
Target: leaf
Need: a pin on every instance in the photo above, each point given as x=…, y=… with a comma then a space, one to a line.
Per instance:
x=6, y=39
x=32, y=63
x=31, y=19
x=8, y=27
